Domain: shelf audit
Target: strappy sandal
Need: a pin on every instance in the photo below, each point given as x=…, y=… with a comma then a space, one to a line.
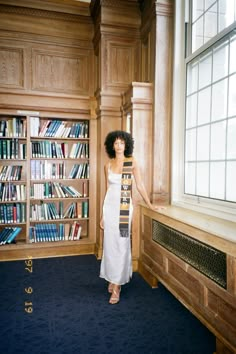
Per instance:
x=115, y=297
x=110, y=288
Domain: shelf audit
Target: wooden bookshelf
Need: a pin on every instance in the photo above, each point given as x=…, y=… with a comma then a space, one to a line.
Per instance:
x=45, y=180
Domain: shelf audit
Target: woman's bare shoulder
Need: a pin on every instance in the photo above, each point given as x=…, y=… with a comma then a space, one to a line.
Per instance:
x=135, y=162
x=107, y=164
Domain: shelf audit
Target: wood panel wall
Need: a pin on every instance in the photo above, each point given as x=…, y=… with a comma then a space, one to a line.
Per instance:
x=56, y=54
x=212, y=304
x=125, y=45
x=45, y=51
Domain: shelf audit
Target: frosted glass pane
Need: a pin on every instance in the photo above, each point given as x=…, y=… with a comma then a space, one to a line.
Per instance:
x=226, y=13
x=208, y=3
x=219, y=100
x=203, y=139
x=205, y=71
x=232, y=66
x=197, y=34
x=220, y=62
x=197, y=9
x=191, y=111
x=202, y=179
x=218, y=141
x=232, y=96
x=231, y=139
x=190, y=145
x=231, y=178
x=217, y=180
x=192, y=83
x=190, y=178
x=204, y=106
x=210, y=29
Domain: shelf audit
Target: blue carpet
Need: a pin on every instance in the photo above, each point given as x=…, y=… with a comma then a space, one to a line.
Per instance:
x=71, y=313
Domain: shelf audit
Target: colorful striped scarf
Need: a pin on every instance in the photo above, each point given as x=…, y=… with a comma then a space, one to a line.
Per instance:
x=125, y=196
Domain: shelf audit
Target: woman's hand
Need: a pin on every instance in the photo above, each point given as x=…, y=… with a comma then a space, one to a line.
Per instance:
x=101, y=224
x=159, y=207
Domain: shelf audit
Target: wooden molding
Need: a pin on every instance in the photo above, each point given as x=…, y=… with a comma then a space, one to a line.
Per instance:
x=45, y=102
x=164, y=8
x=62, y=6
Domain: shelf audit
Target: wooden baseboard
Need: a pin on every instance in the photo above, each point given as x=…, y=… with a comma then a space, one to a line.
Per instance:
x=147, y=276
x=45, y=251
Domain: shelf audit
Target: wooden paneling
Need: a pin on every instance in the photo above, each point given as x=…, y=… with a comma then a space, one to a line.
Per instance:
x=117, y=47
x=211, y=303
x=163, y=100
x=223, y=310
x=12, y=253
x=11, y=67
x=45, y=21
x=46, y=50
x=60, y=72
x=137, y=102
x=47, y=66
x=119, y=63
x=121, y=59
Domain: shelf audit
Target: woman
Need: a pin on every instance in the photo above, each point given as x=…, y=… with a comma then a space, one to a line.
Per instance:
x=116, y=264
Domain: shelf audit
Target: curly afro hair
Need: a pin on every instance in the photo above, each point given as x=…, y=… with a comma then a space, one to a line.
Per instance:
x=122, y=135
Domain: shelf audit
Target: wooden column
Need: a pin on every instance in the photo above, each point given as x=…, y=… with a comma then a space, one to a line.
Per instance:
x=117, y=49
x=163, y=101
x=137, y=104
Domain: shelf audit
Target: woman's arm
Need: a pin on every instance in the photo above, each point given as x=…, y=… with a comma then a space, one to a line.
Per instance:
x=106, y=185
x=139, y=184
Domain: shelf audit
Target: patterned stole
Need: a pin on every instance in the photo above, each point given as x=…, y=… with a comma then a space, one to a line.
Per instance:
x=125, y=196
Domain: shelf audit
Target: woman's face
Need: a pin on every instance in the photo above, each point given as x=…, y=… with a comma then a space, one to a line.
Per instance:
x=119, y=146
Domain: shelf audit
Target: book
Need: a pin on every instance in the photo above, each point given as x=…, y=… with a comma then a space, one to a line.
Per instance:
x=13, y=234
x=8, y=234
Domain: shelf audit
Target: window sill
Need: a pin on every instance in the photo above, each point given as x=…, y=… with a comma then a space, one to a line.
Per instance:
x=217, y=232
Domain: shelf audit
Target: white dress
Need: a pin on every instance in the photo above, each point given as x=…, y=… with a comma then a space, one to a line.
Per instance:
x=116, y=264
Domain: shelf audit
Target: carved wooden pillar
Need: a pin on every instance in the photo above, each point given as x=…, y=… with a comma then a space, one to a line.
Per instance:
x=156, y=67
x=163, y=101
x=137, y=114
x=117, y=50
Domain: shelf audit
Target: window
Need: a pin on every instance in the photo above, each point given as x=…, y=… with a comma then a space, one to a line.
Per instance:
x=210, y=128
x=208, y=161
x=208, y=18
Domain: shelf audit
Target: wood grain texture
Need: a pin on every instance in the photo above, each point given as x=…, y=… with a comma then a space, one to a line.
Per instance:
x=212, y=304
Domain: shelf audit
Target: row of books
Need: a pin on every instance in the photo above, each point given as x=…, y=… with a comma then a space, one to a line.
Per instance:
x=53, y=232
x=12, y=192
x=51, y=149
x=13, y=127
x=55, y=211
x=61, y=129
x=79, y=171
x=10, y=173
x=12, y=149
x=57, y=170
x=58, y=128
x=47, y=170
x=12, y=213
x=8, y=234
x=79, y=150
x=53, y=190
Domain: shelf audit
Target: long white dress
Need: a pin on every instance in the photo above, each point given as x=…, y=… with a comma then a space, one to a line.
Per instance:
x=116, y=264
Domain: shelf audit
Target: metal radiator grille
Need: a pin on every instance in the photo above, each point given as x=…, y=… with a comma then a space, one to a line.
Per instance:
x=206, y=259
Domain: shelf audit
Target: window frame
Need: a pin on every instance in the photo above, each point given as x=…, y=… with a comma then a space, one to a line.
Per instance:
x=222, y=209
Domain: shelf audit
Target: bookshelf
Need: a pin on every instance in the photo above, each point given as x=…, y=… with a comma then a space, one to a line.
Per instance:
x=45, y=184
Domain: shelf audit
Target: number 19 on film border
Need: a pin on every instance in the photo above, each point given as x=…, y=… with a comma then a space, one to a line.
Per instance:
x=29, y=289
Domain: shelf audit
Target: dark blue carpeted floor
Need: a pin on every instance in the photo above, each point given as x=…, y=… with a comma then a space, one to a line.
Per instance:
x=71, y=313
